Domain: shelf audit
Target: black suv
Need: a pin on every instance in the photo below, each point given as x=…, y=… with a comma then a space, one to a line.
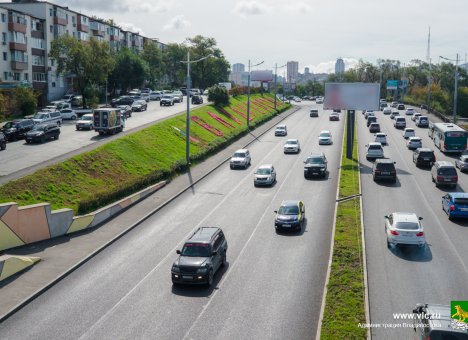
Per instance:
x=384, y=168
x=43, y=132
x=433, y=321
x=201, y=256
x=315, y=164
x=3, y=141
x=17, y=129
x=124, y=100
x=371, y=119
x=423, y=157
x=197, y=99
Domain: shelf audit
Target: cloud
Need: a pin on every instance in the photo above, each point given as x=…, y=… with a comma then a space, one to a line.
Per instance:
x=300, y=7
x=329, y=66
x=247, y=8
x=122, y=5
x=126, y=26
x=176, y=23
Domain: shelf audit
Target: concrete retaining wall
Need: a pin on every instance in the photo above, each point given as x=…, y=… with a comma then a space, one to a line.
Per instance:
x=10, y=265
x=33, y=223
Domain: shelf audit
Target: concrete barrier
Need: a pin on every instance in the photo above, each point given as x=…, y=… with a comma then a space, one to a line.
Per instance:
x=37, y=222
x=10, y=265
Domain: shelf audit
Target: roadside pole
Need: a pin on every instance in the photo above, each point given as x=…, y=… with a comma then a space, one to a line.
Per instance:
x=350, y=134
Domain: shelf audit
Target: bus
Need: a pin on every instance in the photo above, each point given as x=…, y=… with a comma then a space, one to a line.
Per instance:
x=449, y=137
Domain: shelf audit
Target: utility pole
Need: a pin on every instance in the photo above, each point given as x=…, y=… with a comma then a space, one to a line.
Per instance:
x=455, y=94
x=428, y=57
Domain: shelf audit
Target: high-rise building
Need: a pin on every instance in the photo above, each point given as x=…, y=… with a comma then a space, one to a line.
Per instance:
x=339, y=66
x=238, y=67
x=293, y=71
x=306, y=70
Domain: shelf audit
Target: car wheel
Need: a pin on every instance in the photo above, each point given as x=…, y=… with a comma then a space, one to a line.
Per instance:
x=59, y=124
x=210, y=278
x=43, y=139
x=57, y=137
x=77, y=129
x=28, y=141
x=73, y=117
x=160, y=104
x=231, y=167
x=3, y=146
x=388, y=244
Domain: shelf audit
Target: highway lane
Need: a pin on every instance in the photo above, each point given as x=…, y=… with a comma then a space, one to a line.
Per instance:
x=402, y=277
x=19, y=155
x=271, y=288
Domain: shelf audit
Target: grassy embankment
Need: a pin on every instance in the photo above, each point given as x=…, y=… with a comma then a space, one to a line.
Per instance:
x=345, y=300
x=96, y=178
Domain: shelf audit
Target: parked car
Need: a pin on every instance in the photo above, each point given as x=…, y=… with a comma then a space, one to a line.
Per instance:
x=85, y=122
x=155, y=95
x=48, y=117
x=387, y=110
x=139, y=105
x=166, y=100
x=380, y=138
x=178, y=96
x=201, y=257
x=281, y=130
x=125, y=110
x=374, y=127
x=315, y=165
x=408, y=132
x=404, y=228
x=444, y=173
x=414, y=143
x=423, y=157
x=17, y=129
x=415, y=115
x=371, y=119
x=422, y=121
x=401, y=107
x=409, y=111
x=240, y=159
x=325, y=138
x=197, y=99
x=334, y=116
x=384, y=169
x=455, y=204
x=290, y=215
x=314, y=113
x=292, y=146
x=433, y=321
x=68, y=114
x=265, y=175
x=3, y=141
x=43, y=132
x=374, y=150
x=399, y=122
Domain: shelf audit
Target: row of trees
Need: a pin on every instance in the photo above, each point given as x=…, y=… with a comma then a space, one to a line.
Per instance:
x=94, y=64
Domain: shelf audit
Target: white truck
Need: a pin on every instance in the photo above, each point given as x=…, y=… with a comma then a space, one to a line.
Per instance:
x=108, y=121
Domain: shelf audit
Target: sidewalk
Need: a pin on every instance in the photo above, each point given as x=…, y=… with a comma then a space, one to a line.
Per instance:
x=60, y=255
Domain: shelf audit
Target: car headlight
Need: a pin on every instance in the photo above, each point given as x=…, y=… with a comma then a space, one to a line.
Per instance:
x=40, y=133
x=202, y=270
x=175, y=269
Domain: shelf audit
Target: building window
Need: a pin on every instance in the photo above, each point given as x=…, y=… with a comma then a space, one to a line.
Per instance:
x=4, y=39
x=5, y=56
x=51, y=12
x=26, y=76
x=39, y=76
x=51, y=29
x=53, y=84
x=18, y=37
x=52, y=62
x=19, y=56
x=73, y=19
x=38, y=60
x=16, y=76
x=5, y=75
x=37, y=43
x=3, y=17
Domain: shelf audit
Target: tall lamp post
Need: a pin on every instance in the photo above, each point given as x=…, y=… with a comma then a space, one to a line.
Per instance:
x=276, y=78
x=187, y=118
x=455, y=90
x=248, y=93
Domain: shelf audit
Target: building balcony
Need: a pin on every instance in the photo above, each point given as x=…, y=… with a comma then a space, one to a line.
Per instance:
x=19, y=65
x=83, y=28
x=18, y=46
x=39, y=85
x=38, y=69
x=99, y=33
x=37, y=51
x=60, y=21
x=37, y=34
x=17, y=27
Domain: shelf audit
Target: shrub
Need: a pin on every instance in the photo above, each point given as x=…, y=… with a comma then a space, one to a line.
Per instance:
x=218, y=95
x=26, y=100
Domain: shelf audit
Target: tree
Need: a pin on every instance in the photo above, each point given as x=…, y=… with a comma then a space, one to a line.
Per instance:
x=218, y=95
x=152, y=55
x=172, y=57
x=26, y=100
x=89, y=62
x=130, y=71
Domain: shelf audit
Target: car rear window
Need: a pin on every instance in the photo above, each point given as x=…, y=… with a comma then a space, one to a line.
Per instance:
x=426, y=154
x=375, y=125
x=407, y=225
x=374, y=147
x=447, y=172
x=461, y=201
x=385, y=166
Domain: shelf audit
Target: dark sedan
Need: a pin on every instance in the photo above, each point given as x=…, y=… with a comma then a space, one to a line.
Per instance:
x=17, y=129
x=290, y=215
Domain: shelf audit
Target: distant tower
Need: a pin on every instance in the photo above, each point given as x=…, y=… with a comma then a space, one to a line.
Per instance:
x=339, y=66
x=306, y=70
x=238, y=67
x=293, y=71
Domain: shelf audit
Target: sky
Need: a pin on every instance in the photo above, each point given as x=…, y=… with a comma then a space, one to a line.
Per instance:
x=314, y=33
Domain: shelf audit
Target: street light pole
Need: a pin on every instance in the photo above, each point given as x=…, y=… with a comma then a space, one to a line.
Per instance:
x=455, y=90
x=248, y=94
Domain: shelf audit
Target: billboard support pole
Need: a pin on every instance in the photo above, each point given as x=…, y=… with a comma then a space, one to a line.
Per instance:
x=350, y=133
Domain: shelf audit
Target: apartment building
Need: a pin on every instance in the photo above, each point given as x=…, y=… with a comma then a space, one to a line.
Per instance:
x=27, y=29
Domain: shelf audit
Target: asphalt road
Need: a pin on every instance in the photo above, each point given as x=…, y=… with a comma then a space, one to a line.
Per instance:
x=273, y=284
x=402, y=277
x=19, y=156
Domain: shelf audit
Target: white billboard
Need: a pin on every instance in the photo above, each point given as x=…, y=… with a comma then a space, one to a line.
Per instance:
x=266, y=75
x=352, y=96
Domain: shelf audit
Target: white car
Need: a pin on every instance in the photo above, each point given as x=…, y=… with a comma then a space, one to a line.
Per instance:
x=240, y=159
x=408, y=132
x=265, y=175
x=319, y=100
x=415, y=116
x=281, y=130
x=387, y=110
x=462, y=163
x=374, y=151
x=68, y=114
x=325, y=137
x=409, y=111
x=145, y=96
x=155, y=95
x=381, y=138
x=404, y=228
x=414, y=143
x=292, y=146
x=85, y=122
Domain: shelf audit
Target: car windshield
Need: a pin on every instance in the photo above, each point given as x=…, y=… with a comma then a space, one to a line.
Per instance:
x=263, y=171
x=167, y=97
x=325, y=134
x=239, y=155
x=447, y=172
x=291, y=142
x=280, y=128
x=38, y=128
x=40, y=116
x=9, y=125
x=288, y=210
x=196, y=250
x=87, y=118
x=407, y=225
x=314, y=160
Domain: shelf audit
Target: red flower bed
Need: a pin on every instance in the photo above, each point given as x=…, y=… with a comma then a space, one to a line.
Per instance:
x=221, y=120
x=207, y=126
